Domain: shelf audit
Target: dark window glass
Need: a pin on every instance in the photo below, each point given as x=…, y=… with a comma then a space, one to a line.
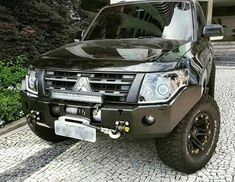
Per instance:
x=142, y=13
x=146, y=17
x=168, y=20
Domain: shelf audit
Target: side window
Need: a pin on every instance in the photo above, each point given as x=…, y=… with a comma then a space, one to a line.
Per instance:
x=200, y=20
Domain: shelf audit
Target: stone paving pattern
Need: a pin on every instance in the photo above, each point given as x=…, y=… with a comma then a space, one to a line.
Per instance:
x=25, y=157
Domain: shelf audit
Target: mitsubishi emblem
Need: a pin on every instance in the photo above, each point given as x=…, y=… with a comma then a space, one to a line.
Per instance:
x=82, y=85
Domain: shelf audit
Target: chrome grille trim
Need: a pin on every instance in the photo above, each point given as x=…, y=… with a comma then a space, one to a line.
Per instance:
x=105, y=81
x=114, y=86
x=62, y=79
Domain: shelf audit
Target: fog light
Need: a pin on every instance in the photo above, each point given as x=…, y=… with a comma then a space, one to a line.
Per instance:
x=149, y=120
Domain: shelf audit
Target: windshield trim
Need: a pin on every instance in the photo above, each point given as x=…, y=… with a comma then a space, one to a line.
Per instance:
x=191, y=2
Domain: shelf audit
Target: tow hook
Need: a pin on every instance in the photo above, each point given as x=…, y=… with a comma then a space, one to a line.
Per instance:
x=114, y=134
x=121, y=127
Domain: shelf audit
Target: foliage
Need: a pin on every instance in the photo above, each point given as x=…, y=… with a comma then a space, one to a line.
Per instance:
x=10, y=107
x=34, y=27
x=12, y=72
x=93, y=5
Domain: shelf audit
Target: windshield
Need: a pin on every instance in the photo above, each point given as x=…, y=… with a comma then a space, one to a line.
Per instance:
x=167, y=20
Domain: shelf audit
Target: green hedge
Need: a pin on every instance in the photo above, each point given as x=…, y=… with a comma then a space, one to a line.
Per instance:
x=10, y=107
x=12, y=72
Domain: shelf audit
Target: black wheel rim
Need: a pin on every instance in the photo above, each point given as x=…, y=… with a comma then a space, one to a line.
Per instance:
x=199, y=134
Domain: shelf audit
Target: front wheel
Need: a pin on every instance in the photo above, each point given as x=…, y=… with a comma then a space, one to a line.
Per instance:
x=192, y=143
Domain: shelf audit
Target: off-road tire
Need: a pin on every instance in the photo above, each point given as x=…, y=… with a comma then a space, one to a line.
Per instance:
x=173, y=150
x=46, y=134
x=211, y=83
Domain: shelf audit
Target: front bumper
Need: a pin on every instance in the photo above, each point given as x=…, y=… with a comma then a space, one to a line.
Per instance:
x=166, y=116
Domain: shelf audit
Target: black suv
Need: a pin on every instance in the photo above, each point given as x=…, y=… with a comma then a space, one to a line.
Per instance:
x=141, y=70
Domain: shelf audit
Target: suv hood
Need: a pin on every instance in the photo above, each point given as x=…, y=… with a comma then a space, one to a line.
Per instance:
x=138, y=55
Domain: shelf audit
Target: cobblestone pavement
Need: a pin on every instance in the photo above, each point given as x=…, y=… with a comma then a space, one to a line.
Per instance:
x=25, y=157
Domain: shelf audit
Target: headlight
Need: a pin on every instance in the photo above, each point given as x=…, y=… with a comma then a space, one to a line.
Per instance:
x=32, y=81
x=160, y=87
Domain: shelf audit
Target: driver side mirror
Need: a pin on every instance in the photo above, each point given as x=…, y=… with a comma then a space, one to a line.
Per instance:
x=214, y=32
x=80, y=35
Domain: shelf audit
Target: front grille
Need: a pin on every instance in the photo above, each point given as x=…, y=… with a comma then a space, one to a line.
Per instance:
x=114, y=87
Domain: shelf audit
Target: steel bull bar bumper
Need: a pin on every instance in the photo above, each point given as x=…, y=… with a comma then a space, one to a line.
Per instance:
x=142, y=121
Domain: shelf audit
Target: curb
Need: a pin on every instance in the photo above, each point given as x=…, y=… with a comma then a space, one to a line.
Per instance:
x=12, y=126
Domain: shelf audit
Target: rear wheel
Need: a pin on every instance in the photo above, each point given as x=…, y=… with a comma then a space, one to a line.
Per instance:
x=191, y=144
